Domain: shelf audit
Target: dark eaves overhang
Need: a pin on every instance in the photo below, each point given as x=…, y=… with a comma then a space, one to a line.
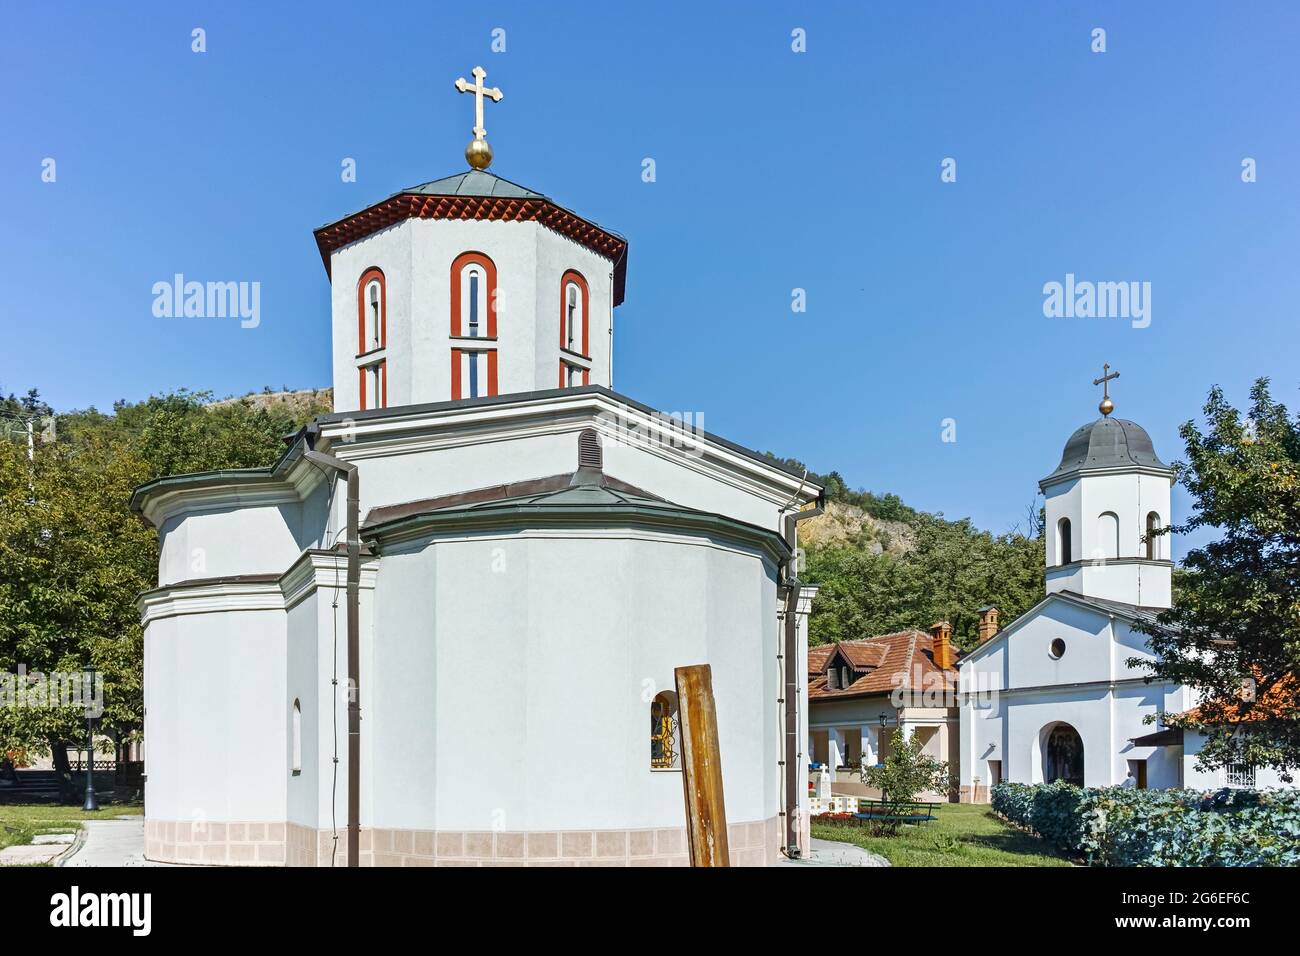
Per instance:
x=1170, y=737
x=536, y=515
x=513, y=208
x=249, y=477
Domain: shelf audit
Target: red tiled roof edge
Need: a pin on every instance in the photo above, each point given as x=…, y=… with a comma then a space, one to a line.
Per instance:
x=484, y=208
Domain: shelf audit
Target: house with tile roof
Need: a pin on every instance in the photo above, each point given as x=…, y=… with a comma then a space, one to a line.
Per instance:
x=861, y=691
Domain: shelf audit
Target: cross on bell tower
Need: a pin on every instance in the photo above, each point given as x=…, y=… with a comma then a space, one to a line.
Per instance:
x=1107, y=376
x=478, y=153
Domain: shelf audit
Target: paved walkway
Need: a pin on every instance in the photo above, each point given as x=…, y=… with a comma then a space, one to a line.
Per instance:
x=834, y=853
x=111, y=843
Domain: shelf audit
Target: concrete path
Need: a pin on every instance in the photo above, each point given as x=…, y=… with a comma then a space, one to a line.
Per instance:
x=110, y=843
x=834, y=853
x=43, y=849
x=32, y=854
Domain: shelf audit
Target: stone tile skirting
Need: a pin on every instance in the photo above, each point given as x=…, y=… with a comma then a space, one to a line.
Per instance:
x=271, y=844
x=217, y=844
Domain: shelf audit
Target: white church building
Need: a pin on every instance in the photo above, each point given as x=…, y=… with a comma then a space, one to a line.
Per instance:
x=1052, y=695
x=444, y=624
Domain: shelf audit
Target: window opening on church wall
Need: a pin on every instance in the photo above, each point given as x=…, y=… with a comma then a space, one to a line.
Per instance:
x=665, y=750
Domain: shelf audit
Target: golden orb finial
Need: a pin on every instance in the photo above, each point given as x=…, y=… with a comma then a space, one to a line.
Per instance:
x=478, y=154
x=1106, y=406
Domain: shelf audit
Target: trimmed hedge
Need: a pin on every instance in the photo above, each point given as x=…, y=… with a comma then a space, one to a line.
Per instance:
x=1117, y=826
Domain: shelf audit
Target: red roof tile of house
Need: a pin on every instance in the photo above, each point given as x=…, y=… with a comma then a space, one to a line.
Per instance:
x=880, y=665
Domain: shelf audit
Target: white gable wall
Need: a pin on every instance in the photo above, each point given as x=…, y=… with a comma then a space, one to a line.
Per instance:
x=1023, y=691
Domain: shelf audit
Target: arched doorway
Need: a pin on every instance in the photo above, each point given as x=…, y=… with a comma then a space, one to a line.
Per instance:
x=1062, y=754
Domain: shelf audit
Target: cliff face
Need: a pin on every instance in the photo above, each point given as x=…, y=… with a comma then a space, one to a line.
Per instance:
x=845, y=525
x=304, y=403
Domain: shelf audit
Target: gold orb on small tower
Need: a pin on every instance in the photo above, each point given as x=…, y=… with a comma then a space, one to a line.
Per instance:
x=478, y=153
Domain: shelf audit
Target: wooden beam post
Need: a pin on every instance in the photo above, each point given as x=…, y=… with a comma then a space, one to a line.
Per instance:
x=706, y=815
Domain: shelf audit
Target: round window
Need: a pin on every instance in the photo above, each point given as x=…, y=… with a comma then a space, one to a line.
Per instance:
x=1057, y=649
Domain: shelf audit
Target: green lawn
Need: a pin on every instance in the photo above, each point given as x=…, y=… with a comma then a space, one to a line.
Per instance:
x=961, y=835
x=20, y=822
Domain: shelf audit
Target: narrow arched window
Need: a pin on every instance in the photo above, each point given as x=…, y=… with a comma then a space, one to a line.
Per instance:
x=372, y=309
x=574, y=312
x=296, y=741
x=1063, y=549
x=1107, y=535
x=664, y=750
x=473, y=317
x=1153, y=542
x=372, y=336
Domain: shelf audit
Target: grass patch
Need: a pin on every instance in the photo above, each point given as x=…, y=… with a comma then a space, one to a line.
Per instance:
x=961, y=834
x=19, y=823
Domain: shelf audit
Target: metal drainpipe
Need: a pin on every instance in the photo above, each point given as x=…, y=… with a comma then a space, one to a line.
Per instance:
x=354, y=646
x=792, y=756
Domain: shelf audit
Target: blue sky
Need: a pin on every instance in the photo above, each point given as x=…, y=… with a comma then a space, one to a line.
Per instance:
x=775, y=171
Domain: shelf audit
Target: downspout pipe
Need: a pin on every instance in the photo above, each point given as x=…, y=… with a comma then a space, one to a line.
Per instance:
x=354, y=644
x=793, y=759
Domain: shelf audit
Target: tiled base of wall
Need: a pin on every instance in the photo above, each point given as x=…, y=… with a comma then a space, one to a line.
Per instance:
x=973, y=795
x=750, y=844
x=215, y=844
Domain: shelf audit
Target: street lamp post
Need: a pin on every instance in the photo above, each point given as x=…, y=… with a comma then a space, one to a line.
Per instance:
x=91, y=803
x=884, y=725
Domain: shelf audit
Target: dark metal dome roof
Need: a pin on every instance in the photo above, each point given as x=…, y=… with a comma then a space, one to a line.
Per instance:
x=1107, y=443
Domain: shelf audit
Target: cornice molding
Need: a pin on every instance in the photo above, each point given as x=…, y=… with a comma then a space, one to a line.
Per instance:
x=208, y=597
x=323, y=569
x=356, y=439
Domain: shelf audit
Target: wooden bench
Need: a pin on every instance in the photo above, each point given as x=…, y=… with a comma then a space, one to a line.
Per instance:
x=883, y=810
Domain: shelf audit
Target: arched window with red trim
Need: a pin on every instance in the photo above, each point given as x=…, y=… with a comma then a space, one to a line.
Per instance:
x=372, y=337
x=473, y=317
x=574, y=310
x=372, y=312
x=473, y=296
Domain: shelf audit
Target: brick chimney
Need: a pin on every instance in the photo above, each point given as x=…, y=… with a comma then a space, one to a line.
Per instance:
x=941, y=645
x=988, y=622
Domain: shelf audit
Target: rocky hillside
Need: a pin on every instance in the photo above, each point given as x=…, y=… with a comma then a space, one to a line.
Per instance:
x=304, y=403
x=849, y=525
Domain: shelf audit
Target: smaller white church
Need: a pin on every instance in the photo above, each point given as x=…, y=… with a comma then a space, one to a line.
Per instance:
x=1051, y=697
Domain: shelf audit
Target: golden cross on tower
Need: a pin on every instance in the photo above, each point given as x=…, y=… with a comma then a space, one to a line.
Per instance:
x=478, y=152
x=1106, y=406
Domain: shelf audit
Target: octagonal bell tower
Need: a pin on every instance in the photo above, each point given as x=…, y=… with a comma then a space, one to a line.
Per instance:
x=1102, y=501
x=468, y=287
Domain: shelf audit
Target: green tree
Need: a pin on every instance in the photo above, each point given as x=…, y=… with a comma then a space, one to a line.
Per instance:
x=73, y=559
x=905, y=774
x=953, y=570
x=1234, y=633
